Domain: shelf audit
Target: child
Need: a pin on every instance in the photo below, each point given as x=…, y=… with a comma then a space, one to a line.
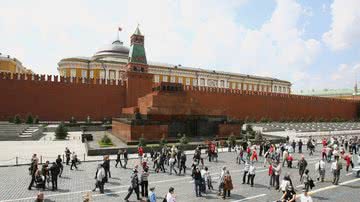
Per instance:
x=208, y=179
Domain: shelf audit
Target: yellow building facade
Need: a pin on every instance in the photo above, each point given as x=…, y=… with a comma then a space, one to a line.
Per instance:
x=109, y=63
x=12, y=65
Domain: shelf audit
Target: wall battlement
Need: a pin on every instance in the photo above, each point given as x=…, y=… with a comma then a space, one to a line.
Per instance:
x=60, y=79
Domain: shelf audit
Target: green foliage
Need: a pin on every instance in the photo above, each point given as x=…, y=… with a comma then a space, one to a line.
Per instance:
x=106, y=140
x=36, y=120
x=73, y=120
x=29, y=119
x=163, y=141
x=137, y=116
x=232, y=140
x=17, y=119
x=11, y=120
x=264, y=120
x=184, y=140
x=61, y=131
x=142, y=141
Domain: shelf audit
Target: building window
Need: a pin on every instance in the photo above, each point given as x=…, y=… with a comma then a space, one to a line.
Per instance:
x=73, y=73
x=284, y=89
x=202, y=82
x=222, y=83
x=102, y=74
x=233, y=85
x=157, y=78
x=165, y=78
x=250, y=87
x=112, y=74
x=244, y=86
x=187, y=81
x=180, y=80
x=84, y=73
x=275, y=89
x=172, y=79
x=91, y=74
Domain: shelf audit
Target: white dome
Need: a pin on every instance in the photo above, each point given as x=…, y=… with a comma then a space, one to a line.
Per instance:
x=115, y=49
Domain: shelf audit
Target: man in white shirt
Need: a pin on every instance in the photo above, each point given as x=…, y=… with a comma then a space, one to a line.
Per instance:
x=170, y=197
x=320, y=167
x=305, y=197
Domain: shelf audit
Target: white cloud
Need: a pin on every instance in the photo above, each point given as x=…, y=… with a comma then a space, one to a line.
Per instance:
x=345, y=26
x=203, y=34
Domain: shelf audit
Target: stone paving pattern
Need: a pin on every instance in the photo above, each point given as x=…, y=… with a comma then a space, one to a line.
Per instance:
x=74, y=184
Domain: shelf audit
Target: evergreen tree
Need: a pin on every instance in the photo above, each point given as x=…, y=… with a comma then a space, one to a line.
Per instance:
x=61, y=132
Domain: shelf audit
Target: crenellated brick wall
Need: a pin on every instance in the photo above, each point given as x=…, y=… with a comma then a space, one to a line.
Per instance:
x=54, y=98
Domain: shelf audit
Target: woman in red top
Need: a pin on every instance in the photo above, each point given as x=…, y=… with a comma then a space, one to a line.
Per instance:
x=347, y=158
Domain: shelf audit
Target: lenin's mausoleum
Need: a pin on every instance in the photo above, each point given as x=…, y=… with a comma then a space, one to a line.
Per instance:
x=158, y=100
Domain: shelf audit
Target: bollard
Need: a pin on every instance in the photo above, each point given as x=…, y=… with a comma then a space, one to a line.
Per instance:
x=16, y=160
x=84, y=157
x=63, y=158
x=40, y=159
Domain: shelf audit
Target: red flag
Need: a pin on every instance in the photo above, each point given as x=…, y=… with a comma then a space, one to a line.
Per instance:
x=120, y=29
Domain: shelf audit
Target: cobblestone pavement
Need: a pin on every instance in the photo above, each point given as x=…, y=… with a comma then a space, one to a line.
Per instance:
x=74, y=184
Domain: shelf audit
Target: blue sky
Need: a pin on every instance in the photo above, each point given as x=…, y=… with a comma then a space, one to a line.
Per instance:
x=314, y=44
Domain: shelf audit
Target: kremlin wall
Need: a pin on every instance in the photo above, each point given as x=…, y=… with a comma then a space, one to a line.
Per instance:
x=141, y=107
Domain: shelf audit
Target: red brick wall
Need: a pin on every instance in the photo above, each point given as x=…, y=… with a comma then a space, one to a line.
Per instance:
x=138, y=85
x=51, y=100
x=129, y=132
x=241, y=106
x=227, y=129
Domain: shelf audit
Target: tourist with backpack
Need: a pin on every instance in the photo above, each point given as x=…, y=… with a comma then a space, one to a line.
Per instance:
x=302, y=164
x=228, y=185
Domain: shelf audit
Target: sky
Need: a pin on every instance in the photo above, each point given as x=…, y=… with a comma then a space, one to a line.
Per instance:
x=314, y=44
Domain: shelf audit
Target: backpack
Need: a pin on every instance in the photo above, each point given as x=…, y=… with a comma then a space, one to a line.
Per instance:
x=339, y=164
x=311, y=183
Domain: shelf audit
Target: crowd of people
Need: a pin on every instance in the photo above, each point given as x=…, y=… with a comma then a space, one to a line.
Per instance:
x=172, y=160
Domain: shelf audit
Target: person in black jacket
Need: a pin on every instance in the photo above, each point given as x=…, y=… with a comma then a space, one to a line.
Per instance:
x=197, y=179
x=59, y=164
x=54, y=171
x=125, y=158
x=33, y=168
x=67, y=154
x=134, y=186
x=106, y=165
x=118, y=158
x=182, y=163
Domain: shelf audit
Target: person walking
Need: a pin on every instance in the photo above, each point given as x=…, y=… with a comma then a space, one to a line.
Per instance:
x=306, y=179
x=144, y=182
x=289, y=161
x=336, y=166
x=300, y=144
x=99, y=177
x=54, y=172
x=197, y=181
x=286, y=183
x=106, y=166
x=170, y=196
x=251, y=175
x=67, y=154
x=134, y=186
x=59, y=164
x=208, y=179
x=221, y=180
x=285, y=157
x=172, y=165
x=277, y=172
x=45, y=172
x=73, y=161
x=182, y=163
x=246, y=171
x=152, y=195
x=320, y=167
x=302, y=164
x=126, y=158
x=228, y=185
x=118, y=158
x=32, y=170
x=271, y=175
